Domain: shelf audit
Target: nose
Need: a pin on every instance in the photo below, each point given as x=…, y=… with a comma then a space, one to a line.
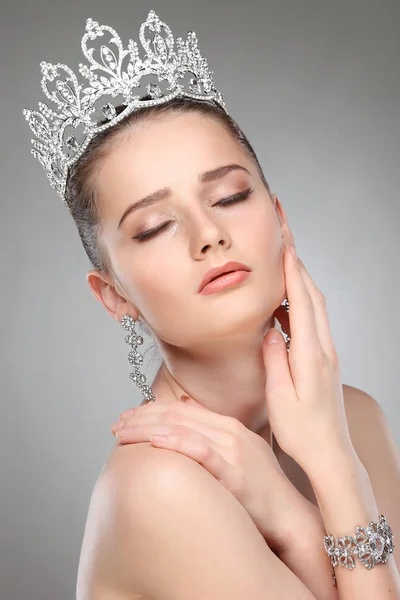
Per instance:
x=208, y=234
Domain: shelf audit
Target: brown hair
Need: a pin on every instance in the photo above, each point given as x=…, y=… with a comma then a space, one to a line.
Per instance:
x=81, y=192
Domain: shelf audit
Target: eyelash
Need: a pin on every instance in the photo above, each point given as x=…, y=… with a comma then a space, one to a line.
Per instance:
x=141, y=237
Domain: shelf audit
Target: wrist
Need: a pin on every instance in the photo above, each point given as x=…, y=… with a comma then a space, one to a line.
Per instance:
x=334, y=466
x=345, y=497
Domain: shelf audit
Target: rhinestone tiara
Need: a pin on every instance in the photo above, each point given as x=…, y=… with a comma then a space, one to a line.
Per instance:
x=63, y=134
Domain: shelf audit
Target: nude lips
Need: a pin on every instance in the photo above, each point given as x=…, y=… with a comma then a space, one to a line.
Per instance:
x=224, y=281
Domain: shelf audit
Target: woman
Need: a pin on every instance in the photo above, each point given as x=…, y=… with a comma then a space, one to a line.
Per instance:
x=270, y=452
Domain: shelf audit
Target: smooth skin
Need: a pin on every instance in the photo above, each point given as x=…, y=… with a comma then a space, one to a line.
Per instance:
x=165, y=528
x=138, y=538
x=257, y=578
x=239, y=458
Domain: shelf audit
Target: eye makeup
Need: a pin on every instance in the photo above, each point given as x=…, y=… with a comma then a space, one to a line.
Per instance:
x=233, y=199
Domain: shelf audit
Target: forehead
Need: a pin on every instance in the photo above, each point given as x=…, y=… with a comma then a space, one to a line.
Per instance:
x=169, y=151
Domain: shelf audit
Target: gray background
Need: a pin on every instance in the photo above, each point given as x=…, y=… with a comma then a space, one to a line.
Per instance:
x=315, y=85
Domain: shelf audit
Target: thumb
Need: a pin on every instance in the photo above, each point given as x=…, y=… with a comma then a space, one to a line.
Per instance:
x=278, y=377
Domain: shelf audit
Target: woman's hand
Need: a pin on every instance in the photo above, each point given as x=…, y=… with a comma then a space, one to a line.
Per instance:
x=239, y=458
x=303, y=389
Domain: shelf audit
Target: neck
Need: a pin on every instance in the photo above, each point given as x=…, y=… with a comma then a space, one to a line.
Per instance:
x=228, y=378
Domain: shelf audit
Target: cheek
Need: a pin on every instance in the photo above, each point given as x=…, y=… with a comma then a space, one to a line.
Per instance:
x=258, y=237
x=264, y=234
x=161, y=294
x=261, y=243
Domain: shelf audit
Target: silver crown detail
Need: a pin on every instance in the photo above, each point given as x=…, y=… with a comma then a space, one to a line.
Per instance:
x=118, y=73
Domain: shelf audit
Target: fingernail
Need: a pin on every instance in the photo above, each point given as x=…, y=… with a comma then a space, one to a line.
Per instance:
x=126, y=413
x=117, y=426
x=273, y=338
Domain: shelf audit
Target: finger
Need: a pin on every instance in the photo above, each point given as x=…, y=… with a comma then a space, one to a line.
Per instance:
x=126, y=413
x=304, y=337
x=178, y=409
x=321, y=314
x=279, y=384
x=198, y=447
x=148, y=425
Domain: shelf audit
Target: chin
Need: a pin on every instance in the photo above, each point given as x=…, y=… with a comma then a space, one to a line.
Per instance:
x=233, y=318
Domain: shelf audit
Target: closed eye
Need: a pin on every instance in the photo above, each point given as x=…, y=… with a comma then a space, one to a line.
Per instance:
x=235, y=198
x=144, y=235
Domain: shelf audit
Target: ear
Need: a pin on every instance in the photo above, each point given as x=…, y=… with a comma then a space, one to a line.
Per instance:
x=104, y=291
x=286, y=233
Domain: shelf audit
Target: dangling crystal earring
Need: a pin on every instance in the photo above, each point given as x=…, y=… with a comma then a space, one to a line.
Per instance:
x=136, y=359
x=285, y=304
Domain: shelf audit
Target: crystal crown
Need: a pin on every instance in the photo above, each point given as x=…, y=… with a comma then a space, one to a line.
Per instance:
x=63, y=134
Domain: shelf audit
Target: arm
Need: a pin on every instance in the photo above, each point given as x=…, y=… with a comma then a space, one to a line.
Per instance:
x=306, y=411
x=374, y=444
x=376, y=448
x=354, y=492
x=177, y=534
x=303, y=552
x=346, y=500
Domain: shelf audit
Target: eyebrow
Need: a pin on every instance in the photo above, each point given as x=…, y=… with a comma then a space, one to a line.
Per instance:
x=165, y=192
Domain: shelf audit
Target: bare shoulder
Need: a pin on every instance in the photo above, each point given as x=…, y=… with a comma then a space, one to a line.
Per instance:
x=96, y=578
x=374, y=443
x=163, y=527
x=368, y=426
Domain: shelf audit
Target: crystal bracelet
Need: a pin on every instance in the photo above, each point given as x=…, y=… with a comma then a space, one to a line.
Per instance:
x=371, y=544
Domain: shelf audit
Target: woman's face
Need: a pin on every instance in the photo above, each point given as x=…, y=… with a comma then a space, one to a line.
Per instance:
x=160, y=275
